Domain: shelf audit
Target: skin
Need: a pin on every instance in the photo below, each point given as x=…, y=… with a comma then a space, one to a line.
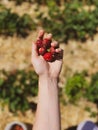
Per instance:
x=48, y=109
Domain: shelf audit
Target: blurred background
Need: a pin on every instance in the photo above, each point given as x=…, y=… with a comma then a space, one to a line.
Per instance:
x=74, y=23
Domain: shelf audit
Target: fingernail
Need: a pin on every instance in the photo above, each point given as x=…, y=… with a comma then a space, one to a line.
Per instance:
x=59, y=49
x=49, y=35
x=41, y=31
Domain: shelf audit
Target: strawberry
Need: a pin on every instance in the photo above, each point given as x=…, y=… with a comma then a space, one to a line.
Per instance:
x=39, y=43
x=46, y=43
x=48, y=57
x=42, y=51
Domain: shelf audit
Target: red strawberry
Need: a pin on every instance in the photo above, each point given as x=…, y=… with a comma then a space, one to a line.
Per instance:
x=39, y=43
x=48, y=57
x=47, y=43
x=42, y=51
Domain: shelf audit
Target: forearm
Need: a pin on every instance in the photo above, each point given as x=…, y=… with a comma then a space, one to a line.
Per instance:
x=48, y=111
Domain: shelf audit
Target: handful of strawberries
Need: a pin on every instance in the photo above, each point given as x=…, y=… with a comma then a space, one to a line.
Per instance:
x=47, y=49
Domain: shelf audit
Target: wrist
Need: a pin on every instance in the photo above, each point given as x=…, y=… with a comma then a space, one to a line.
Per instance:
x=48, y=81
x=48, y=76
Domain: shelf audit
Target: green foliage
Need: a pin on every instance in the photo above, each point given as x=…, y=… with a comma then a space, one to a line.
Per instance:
x=75, y=87
x=84, y=2
x=92, y=92
x=19, y=2
x=16, y=87
x=40, y=2
x=78, y=87
x=58, y=2
x=69, y=22
x=11, y=23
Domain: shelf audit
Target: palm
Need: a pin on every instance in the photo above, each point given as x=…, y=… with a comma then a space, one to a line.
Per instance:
x=54, y=68
x=42, y=67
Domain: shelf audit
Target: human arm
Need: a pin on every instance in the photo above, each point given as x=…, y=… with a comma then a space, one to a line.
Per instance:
x=48, y=109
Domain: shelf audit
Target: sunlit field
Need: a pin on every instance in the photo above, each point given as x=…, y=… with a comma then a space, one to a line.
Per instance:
x=75, y=26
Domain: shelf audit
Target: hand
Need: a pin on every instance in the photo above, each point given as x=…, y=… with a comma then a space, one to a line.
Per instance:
x=42, y=67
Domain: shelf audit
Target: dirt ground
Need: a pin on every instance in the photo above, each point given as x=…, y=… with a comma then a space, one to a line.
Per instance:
x=15, y=53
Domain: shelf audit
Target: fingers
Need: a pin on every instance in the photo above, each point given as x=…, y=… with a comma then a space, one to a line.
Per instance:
x=41, y=34
x=59, y=54
x=55, y=44
x=49, y=36
x=34, y=50
x=59, y=51
x=34, y=45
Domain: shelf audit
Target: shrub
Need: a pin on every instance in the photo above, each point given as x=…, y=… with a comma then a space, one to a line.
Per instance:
x=19, y=2
x=75, y=87
x=70, y=22
x=12, y=23
x=40, y=2
x=58, y=2
x=92, y=92
x=16, y=87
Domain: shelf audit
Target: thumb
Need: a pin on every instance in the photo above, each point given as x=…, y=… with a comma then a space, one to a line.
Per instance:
x=34, y=50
